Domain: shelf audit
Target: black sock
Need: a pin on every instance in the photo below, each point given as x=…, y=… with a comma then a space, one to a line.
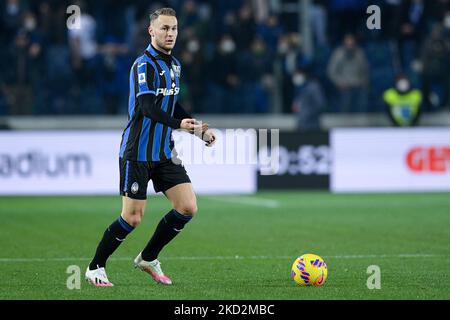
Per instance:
x=169, y=226
x=112, y=238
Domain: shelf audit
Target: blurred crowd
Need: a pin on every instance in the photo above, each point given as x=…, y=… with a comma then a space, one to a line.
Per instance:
x=237, y=56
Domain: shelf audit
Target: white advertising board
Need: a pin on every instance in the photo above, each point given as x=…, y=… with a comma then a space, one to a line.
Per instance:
x=86, y=163
x=385, y=160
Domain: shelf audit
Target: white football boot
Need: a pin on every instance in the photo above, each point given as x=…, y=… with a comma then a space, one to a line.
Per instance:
x=98, y=277
x=153, y=268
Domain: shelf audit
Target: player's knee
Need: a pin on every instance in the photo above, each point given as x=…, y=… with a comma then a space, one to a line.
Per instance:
x=135, y=220
x=133, y=217
x=188, y=208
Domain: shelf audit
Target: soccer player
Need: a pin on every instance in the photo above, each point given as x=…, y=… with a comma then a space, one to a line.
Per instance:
x=146, y=153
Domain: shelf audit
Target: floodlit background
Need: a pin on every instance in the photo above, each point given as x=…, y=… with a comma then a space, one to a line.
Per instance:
x=362, y=116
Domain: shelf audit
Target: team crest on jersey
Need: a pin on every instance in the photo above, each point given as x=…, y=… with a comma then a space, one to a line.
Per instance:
x=134, y=187
x=176, y=70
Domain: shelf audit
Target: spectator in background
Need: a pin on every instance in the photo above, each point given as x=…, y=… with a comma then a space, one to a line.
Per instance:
x=414, y=19
x=291, y=55
x=86, y=67
x=203, y=29
x=348, y=69
x=436, y=65
x=19, y=94
x=54, y=94
x=270, y=30
x=412, y=31
x=194, y=84
x=83, y=46
x=225, y=84
x=309, y=100
x=188, y=16
x=253, y=66
x=11, y=12
x=243, y=30
x=35, y=60
x=403, y=103
x=113, y=68
x=23, y=70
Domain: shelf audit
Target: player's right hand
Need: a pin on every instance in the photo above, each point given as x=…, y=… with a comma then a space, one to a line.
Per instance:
x=190, y=125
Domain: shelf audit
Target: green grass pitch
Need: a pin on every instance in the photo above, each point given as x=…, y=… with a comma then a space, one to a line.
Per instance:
x=238, y=247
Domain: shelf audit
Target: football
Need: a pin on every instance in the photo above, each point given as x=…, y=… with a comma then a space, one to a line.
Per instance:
x=309, y=270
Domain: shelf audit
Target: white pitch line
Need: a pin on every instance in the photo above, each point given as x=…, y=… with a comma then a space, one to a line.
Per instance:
x=259, y=202
x=237, y=257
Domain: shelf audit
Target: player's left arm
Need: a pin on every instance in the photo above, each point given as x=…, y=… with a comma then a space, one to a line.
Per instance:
x=205, y=134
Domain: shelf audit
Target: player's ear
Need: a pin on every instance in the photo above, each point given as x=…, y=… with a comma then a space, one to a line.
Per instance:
x=150, y=30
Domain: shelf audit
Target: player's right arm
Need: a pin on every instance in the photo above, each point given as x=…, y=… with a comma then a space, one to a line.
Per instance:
x=151, y=110
x=203, y=133
x=146, y=95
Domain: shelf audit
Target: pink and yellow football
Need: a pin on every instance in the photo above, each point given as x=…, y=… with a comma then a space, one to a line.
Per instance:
x=309, y=270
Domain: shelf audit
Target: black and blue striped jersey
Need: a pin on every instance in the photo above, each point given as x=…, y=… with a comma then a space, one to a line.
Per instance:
x=154, y=75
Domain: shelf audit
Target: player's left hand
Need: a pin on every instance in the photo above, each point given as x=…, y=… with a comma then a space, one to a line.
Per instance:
x=205, y=126
x=209, y=137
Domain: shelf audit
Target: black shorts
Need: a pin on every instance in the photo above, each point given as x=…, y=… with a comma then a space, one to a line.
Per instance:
x=134, y=177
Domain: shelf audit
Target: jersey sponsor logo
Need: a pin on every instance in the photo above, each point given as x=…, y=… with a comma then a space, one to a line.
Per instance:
x=168, y=92
x=141, y=78
x=431, y=159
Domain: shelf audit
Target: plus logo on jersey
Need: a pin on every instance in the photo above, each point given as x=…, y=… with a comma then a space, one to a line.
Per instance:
x=168, y=92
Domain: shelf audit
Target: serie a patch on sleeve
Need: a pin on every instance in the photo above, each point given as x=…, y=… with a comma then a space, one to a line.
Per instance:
x=141, y=78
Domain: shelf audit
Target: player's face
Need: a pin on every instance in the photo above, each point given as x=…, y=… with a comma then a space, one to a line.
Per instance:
x=164, y=31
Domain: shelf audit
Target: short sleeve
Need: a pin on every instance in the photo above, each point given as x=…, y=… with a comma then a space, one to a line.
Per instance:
x=146, y=81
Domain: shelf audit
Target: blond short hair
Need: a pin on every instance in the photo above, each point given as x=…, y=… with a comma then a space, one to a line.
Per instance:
x=162, y=12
